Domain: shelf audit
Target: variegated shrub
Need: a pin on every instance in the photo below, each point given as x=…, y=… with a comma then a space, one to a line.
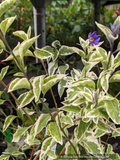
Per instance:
x=88, y=106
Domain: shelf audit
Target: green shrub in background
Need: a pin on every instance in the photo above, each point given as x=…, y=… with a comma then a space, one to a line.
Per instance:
x=88, y=105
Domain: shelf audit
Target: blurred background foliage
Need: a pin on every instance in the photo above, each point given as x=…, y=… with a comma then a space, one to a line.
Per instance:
x=66, y=20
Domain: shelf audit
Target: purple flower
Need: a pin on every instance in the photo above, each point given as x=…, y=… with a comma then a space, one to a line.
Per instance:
x=93, y=38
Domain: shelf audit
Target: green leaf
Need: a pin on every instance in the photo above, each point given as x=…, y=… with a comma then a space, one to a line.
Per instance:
x=28, y=97
x=3, y=72
x=25, y=45
x=71, y=108
x=51, y=81
x=113, y=110
x=47, y=144
x=2, y=46
x=115, y=77
x=2, y=101
x=55, y=132
x=65, y=50
x=21, y=34
x=81, y=129
x=8, y=121
x=42, y=54
x=5, y=5
x=52, y=66
x=5, y=24
x=37, y=86
x=19, y=132
x=19, y=83
x=40, y=124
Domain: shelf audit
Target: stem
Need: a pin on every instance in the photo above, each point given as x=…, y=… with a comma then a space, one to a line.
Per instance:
x=4, y=40
x=111, y=51
x=32, y=152
x=37, y=155
x=58, y=114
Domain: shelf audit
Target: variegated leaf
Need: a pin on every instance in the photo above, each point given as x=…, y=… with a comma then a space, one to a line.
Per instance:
x=65, y=50
x=18, y=83
x=61, y=87
x=3, y=72
x=26, y=99
x=5, y=5
x=105, y=82
x=51, y=154
x=4, y=157
x=113, y=110
x=71, y=108
x=52, y=66
x=90, y=143
x=21, y=34
x=56, y=43
x=69, y=150
x=42, y=53
x=19, y=132
x=115, y=77
x=55, y=132
x=51, y=81
x=2, y=46
x=81, y=129
x=40, y=124
x=66, y=120
x=37, y=86
x=107, y=32
x=79, y=51
x=19, y=74
x=8, y=121
x=62, y=69
x=17, y=153
x=81, y=83
x=32, y=141
x=25, y=45
x=88, y=96
x=95, y=57
x=5, y=24
x=46, y=146
x=99, y=132
x=117, y=60
x=29, y=32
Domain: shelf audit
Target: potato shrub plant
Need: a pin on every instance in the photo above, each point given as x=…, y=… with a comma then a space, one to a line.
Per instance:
x=87, y=106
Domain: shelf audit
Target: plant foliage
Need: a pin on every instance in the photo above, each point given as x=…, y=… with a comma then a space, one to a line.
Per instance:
x=88, y=107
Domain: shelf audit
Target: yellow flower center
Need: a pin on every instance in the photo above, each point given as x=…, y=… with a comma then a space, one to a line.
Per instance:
x=91, y=39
